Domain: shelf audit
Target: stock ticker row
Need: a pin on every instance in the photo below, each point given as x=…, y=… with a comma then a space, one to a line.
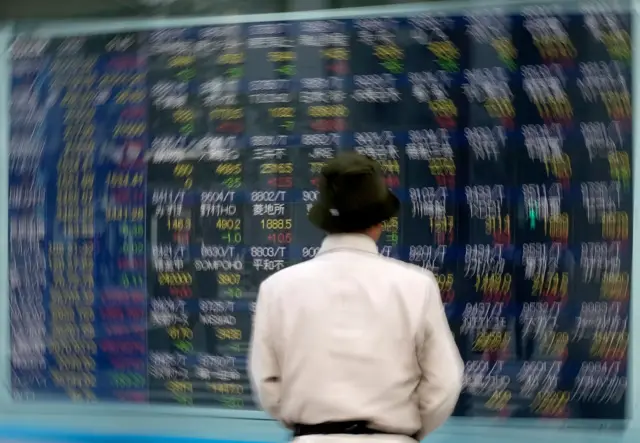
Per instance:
x=157, y=177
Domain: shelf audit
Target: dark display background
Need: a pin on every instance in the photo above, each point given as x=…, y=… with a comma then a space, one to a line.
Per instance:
x=156, y=178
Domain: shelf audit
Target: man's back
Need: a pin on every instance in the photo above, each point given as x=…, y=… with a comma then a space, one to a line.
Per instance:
x=347, y=329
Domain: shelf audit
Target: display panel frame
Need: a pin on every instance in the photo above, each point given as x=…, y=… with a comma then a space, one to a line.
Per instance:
x=97, y=27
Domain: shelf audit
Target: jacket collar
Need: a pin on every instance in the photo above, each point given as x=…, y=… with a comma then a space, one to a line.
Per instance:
x=359, y=242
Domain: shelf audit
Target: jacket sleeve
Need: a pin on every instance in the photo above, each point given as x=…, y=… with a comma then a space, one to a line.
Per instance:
x=264, y=370
x=441, y=365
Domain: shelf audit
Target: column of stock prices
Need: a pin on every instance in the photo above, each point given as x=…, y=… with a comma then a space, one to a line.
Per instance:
x=157, y=177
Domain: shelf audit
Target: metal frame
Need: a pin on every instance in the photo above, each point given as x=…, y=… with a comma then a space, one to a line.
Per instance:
x=116, y=414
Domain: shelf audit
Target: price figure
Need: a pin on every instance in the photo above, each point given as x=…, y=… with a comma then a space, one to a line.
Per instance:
x=234, y=73
x=447, y=55
x=507, y=53
x=184, y=172
x=391, y=57
x=186, y=75
x=618, y=44
x=287, y=70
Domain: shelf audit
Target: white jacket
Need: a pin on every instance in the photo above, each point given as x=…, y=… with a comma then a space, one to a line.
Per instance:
x=352, y=335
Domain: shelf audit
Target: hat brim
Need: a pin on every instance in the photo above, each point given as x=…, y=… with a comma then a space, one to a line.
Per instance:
x=320, y=215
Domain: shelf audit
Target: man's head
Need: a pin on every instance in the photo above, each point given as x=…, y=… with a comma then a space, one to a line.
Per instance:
x=353, y=197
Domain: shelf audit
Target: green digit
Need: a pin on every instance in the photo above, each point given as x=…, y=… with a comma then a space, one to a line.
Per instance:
x=187, y=129
x=393, y=66
x=184, y=346
x=183, y=399
x=235, y=72
x=231, y=402
x=532, y=218
x=287, y=70
x=511, y=64
x=186, y=74
x=449, y=65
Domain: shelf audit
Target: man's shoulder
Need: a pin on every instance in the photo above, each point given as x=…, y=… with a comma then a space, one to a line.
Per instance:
x=416, y=284
x=408, y=269
x=406, y=272
x=297, y=270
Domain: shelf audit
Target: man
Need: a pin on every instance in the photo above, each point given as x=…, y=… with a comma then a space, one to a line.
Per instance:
x=351, y=342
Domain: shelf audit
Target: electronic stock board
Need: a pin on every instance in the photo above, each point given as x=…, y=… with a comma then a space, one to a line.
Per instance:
x=157, y=177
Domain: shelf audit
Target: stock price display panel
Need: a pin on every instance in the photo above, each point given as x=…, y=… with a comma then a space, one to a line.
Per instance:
x=156, y=178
